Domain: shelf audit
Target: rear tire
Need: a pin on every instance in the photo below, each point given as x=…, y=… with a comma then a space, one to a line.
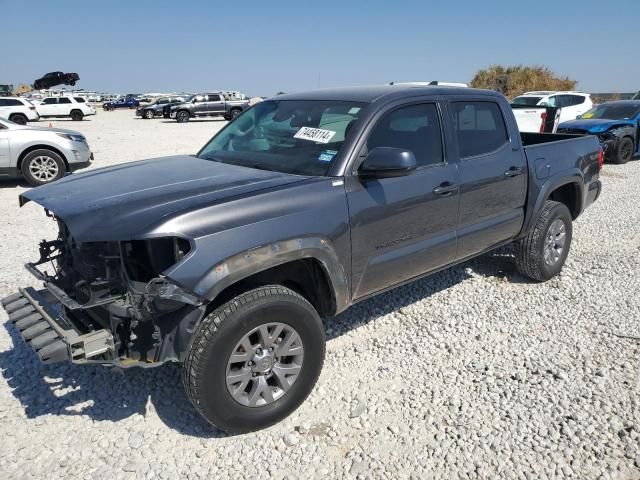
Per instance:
x=18, y=118
x=541, y=254
x=241, y=352
x=624, y=150
x=41, y=166
x=77, y=115
x=182, y=117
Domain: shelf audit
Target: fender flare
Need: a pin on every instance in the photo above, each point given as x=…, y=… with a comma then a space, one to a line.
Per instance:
x=559, y=180
x=244, y=264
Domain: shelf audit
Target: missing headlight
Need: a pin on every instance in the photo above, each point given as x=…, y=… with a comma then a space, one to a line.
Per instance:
x=146, y=259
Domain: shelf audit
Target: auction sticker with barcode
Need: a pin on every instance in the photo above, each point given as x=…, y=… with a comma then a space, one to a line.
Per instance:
x=314, y=134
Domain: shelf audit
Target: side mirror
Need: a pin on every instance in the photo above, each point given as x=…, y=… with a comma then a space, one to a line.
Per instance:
x=383, y=162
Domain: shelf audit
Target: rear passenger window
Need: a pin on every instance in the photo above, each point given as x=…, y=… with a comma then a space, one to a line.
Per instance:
x=213, y=98
x=479, y=126
x=64, y=100
x=49, y=101
x=79, y=99
x=415, y=128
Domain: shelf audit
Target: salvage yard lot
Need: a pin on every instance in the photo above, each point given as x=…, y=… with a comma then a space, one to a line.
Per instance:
x=472, y=372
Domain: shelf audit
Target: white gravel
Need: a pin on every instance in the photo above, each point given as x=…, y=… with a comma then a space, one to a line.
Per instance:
x=471, y=373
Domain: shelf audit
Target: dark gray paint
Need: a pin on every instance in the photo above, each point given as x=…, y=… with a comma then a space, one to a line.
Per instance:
x=369, y=235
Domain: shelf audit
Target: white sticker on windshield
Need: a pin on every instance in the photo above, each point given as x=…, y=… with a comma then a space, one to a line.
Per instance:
x=315, y=134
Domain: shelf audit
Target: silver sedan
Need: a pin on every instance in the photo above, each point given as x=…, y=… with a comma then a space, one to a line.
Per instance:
x=40, y=154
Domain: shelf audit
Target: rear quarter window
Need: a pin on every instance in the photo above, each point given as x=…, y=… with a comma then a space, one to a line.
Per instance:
x=79, y=99
x=479, y=126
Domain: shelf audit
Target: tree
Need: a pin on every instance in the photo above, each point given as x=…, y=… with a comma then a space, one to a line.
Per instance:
x=520, y=79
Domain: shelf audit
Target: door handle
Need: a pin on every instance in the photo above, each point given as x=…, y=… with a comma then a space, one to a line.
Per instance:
x=514, y=172
x=445, y=189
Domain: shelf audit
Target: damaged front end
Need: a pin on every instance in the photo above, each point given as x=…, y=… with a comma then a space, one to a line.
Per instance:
x=107, y=302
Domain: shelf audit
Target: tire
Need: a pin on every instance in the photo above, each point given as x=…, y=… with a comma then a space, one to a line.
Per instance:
x=72, y=83
x=42, y=166
x=182, y=116
x=219, y=335
x=235, y=112
x=18, y=118
x=148, y=114
x=542, y=253
x=77, y=115
x=624, y=150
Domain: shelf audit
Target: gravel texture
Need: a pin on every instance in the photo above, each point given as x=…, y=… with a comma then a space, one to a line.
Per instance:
x=471, y=373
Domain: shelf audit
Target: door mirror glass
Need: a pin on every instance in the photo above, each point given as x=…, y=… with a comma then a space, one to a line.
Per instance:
x=383, y=162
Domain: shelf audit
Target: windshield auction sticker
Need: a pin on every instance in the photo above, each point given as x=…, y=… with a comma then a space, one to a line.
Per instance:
x=315, y=134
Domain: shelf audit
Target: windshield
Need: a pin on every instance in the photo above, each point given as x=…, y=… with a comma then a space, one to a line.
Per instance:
x=531, y=101
x=613, y=112
x=292, y=136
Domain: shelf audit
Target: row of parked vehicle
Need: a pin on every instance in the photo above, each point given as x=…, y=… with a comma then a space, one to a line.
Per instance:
x=615, y=123
x=183, y=108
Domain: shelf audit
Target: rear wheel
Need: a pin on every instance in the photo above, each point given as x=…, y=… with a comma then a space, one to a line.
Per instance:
x=542, y=253
x=77, y=115
x=42, y=166
x=255, y=359
x=235, y=112
x=182, y=117
x=18, y=118
x=148, y=114
x=624, y=150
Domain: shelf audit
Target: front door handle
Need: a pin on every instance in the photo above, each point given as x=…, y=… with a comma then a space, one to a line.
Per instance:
x=514, y=172
x=445, y=189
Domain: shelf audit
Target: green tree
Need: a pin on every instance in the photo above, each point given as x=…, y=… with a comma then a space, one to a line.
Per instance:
x=520, y=79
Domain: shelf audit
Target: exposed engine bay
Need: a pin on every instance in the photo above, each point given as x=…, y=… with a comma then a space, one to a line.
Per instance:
x=119, y=287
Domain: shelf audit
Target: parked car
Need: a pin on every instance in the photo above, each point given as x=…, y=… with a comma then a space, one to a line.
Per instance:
x=127, y=102
x=205, y=105
x=617, y=126
x=55, y=78
x=39, y=154
x=18, y=110
x=75, y=108
x=536, y=119
x=569, y=105
x=304, y=205
x=154, y=108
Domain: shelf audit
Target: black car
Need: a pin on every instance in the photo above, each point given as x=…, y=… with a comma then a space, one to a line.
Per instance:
x=52, y=79
x=150, y=110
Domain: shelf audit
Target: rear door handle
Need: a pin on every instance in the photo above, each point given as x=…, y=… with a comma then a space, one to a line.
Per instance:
x=445, y=189
x=514, y=172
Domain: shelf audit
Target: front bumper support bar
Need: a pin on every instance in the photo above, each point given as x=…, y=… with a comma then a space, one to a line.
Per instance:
x=40, y=319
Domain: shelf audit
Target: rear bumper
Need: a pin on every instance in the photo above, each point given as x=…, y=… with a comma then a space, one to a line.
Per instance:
x=40, y=318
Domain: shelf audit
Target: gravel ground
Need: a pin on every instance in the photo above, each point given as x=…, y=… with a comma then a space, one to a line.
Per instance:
x=471, y=373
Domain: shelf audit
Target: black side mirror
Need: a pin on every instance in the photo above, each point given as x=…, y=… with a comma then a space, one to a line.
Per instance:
x=383, y=162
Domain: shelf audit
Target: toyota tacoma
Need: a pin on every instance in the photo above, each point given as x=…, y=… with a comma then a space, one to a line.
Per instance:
x=226, y=260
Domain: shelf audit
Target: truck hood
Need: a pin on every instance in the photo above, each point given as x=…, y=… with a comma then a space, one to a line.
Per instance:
x=123, y=201
x=594, y=125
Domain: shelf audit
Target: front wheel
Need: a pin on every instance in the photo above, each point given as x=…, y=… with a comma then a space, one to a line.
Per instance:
x=182, y=117
x=624, y=150
x=255, y=359
x=148, y=114
x=42, y=166
x=542, y=253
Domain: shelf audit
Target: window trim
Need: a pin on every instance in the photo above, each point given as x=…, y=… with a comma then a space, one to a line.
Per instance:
x=361, y=143
x=508, y=140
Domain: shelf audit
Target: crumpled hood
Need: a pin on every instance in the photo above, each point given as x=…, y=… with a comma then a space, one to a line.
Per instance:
x=594, y=125
x=123, y=201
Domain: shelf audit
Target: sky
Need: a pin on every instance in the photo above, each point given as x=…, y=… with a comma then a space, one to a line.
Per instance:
x=261, y=48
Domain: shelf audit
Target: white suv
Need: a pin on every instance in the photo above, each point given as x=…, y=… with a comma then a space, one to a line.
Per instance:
x=18, y=110
x=571, y=104
x=75, y=107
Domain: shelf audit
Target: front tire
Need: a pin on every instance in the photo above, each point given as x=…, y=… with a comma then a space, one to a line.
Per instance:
x=255, y=359
x=41, y=166
x=541, y=254
x=148, y=114
x=624, y=150
x=182, y=117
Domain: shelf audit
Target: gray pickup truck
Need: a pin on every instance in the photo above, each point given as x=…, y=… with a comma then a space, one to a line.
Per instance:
x=205, y=105
x=307, y=203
